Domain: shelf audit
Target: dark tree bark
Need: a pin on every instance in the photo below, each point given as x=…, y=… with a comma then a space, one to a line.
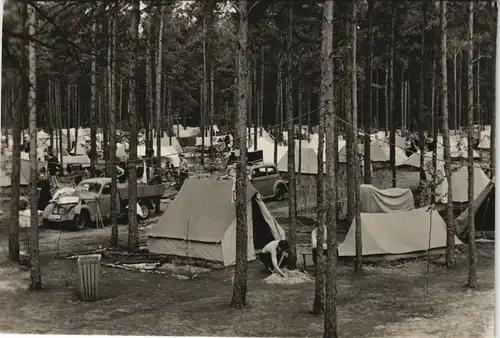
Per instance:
x=421, y=97
x=36, y=276
x=133, y=230
x=357, y=173
x=472, y=283
x=112, y=133
x=93, y=115
x=292, y=202
x=159, y=80
x=392, y=61
x=450, y=233
x=326, y=95
x=368, y=95
x=238, y=299
x=331, y=329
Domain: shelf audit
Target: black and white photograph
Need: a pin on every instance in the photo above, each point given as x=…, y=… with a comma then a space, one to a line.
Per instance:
x=248, y=168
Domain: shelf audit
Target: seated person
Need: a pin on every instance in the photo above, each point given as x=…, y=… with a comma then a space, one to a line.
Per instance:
x=273, y=255
x=314, y=244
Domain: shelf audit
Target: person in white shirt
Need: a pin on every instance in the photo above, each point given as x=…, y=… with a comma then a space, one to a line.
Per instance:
x=274, y=254
x=314, y=244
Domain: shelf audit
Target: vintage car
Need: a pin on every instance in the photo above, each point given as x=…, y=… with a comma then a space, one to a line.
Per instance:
x=91, y=200
x=267, y=180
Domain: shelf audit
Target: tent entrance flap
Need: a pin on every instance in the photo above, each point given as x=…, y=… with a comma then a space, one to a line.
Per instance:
x=261, y=229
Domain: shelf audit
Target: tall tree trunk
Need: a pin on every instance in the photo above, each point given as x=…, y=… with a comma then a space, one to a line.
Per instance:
x=50, y=105
x=326, y=94
x=277, y=127
x=460, y=82
x=112, y=132
x=212, y=105
x=309, y=94
x=292, y=202
x=387, y=94
x=159, y=80
x=255, y=103
x=36, y=276
x=331, y=329
x=203, y=102
x=421, y=98
x=392, y=66
x=16, y=159
x=357, y=172
x=261, y=95
x=450, y=233
x=351, y=144
x=368, y=96
x=133, y=230
x=494, y=106
x=93, y=125
x=472, y=282
x=300, y=109
x=68, y=115
x=455, y=87
x=435, y=123
x=238, y=299
x=59, y=123
x=149, y=94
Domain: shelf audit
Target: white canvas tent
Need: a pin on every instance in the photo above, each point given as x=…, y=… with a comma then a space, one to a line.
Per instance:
x=199, y=226
x=308, y=158
x=460, y=184
x=397, y=235
x=374, y=200
x=379, y=152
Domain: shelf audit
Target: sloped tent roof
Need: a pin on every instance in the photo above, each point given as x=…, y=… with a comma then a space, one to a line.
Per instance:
x=375, y=200
x=267, y=148
x=484, y=212
x=379, y=152
x=460, y=184
x=169, y=152
x=6, y=172
x=308, y=158
x=397, y=234
x=458, y=146
x=165, y=142
x=207, y=225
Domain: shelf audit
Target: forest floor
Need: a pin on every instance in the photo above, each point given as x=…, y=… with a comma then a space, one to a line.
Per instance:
x=387, y=300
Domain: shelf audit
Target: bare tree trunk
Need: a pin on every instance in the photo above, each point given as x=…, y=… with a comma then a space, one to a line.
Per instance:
x=203, y=102
x=455, y=88
x=149, y=94
x=16, y=159
x=59, y=123
x=460, y=71
x=357, y=173
x=50, y=105
x=309, y=94
x=112, y=132
x=435, y=123
x=238, y=299
x=261, y=95
x=212, y=104
x=292, y=202
x=255, y=103
x=392, y=60
x=331, y=329
x=493, y=110
x=421, y=98
x=368, y=96
x=133, y=230
x=450, y=233
x=326, y=94
x=68, y=116
x=93, y=129
x=36, y=276
x=277, y=128
x=387, y=96
x=299, y=108
x=159, y=80
x=351, y=143
x=472, y=282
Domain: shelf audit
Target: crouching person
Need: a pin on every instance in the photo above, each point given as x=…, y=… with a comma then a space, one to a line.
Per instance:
x=314, y=244
x=275, y=254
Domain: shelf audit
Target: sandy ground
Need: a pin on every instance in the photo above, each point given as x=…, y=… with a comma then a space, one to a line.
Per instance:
x=386, y=301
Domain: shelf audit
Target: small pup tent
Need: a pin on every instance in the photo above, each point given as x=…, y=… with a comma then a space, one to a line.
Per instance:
x=201, y=223
x=397, y=235
x=484, y=213
x=375, y=200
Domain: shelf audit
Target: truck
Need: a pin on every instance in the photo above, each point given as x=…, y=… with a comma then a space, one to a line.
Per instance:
x=90, y=201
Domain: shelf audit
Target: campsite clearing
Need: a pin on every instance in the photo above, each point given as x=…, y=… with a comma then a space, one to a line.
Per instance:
x=380, y=303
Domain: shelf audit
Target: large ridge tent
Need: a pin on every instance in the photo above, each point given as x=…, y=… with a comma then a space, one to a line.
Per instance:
x=484, y=213
x=397, y=235
x=374, y=200
x=308, y=158
x=460, y=184
x=201, y=223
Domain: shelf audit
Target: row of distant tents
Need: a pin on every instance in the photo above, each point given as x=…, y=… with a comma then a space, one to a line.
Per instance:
x=201, y=227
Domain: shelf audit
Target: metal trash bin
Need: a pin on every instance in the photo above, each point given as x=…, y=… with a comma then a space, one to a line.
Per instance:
x=89, y=273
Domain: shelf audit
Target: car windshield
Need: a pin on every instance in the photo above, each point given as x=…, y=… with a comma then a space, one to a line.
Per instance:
x=89, y=186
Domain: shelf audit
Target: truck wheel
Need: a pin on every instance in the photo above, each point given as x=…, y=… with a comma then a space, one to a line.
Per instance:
x=280, y=193
x=82, y=220
x=145, y=208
